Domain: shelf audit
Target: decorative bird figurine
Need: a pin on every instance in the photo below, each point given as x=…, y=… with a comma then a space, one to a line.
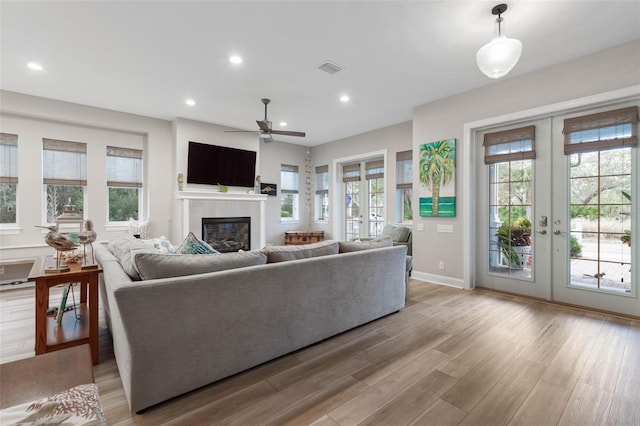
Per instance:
x=58, y=241
x=88, y=236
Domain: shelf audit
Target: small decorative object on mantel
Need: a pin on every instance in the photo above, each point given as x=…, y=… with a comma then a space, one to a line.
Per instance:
x=256, y=187
x=222, y=188
x=270, y=189
x=180, y=181
x=59, y=242
x=88, y=236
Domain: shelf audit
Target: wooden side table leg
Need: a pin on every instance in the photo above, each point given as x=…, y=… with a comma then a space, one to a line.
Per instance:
x=42, y=304
x=83, y=290
x=93, y=315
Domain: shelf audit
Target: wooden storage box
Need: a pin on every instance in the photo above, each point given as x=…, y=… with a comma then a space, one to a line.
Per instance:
x=302, y=237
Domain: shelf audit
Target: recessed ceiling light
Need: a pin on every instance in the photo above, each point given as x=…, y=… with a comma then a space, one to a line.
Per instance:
x=283, y=123
x=190, y=102
x=235, y=59
x=344, y=98
x=34, y=66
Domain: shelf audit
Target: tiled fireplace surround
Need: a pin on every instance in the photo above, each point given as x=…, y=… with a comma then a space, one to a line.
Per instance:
x=194, y=205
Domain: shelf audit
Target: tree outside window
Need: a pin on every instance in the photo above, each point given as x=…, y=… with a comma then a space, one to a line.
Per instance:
x=322, y=193
x=64, y=176
x=404, y=185
x=8, y=177
x=124, y=180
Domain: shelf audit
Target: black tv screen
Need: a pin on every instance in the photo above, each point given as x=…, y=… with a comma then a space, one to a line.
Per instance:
x=212, y=165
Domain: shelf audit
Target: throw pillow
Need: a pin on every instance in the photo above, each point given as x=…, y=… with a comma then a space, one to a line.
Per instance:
x=194, y=245
x=125, y=247
x=154, y=266
x=384, y=241
x=141, y=229
x=284, y=253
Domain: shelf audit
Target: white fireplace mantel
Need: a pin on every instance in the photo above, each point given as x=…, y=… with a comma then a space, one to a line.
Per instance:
x=225, y=204
x=211, y=195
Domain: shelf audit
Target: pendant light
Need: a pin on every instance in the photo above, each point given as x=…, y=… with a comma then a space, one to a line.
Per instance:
x=500, y=55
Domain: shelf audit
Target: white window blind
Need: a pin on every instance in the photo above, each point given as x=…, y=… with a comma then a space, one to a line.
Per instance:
x=64, y=162
x=375, y=169
x=404, y=169
x=510, y=145
x=8, y=158
x=322, y=180
x=124, y=167
x=601, y=131
x=289, y=179
x=351, y=172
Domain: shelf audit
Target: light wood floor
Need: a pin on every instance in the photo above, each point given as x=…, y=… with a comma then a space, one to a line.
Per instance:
x=450, y=357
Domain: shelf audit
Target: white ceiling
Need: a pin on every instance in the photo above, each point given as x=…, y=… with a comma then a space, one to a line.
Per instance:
x=147, y=57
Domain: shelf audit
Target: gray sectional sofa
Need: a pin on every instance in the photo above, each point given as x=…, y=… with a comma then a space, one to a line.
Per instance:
x=175, y=334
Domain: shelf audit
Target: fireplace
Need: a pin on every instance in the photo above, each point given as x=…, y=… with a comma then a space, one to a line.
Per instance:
x=227, y=234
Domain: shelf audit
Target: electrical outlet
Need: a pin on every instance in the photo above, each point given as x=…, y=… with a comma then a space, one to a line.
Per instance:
x=441, y=265
x=1, y=270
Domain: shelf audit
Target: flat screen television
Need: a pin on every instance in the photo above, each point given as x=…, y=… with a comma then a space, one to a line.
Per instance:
x=213, y=164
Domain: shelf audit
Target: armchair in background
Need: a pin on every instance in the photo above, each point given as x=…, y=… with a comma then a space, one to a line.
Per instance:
x=401, y=235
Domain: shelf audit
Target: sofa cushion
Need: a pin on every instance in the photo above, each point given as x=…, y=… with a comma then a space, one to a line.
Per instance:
x=153, y=266
x=125, y=247
x=277, y=254
x=194, y=245
x=384, y=241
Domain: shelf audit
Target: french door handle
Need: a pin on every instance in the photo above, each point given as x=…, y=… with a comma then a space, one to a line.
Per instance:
x=542, y=232
x=558, y=232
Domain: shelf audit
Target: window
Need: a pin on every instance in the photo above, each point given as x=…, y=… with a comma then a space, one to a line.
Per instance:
x=124, y=180
x=510, y=155
x=599, y=149
x=375, y=187
x=8, y=177
x=404, y=185
x=64, y=176
x=289, y=192
x=351, y=180
x=322, y=193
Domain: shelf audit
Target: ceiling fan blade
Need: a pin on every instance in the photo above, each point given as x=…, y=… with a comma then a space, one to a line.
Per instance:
x=264, y=126
x=288, y=133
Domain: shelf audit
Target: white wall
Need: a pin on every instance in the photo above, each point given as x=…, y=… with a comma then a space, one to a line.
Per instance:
x=33, y=118
x=165, y=146
x=393, y=139
x=608, y=70
x=272, y=155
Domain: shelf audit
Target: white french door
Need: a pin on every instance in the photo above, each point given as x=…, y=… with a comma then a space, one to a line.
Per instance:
x=579, y=206
x=593, y=210
x=512, y=222
x=363, y=186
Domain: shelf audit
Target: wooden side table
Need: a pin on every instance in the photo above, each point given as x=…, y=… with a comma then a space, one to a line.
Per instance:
x=51, y=336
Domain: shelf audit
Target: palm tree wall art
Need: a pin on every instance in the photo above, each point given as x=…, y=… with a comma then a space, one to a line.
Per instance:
x=438, y=176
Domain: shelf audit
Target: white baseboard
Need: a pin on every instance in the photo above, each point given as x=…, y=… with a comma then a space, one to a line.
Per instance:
x=438, y=279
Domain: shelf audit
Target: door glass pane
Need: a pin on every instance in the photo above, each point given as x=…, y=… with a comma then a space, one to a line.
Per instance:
x=376, y=206
x=600, y=201
x=352, y=210
x=510, y=210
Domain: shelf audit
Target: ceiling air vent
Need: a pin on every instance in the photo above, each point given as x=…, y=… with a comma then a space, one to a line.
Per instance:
x=330, y=67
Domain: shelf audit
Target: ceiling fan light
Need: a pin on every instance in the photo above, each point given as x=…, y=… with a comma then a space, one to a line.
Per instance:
x=265, y=135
